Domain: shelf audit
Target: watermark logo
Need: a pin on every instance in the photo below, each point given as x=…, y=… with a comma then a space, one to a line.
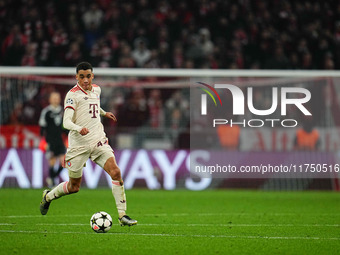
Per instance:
x=281, y=98
x=204, y=97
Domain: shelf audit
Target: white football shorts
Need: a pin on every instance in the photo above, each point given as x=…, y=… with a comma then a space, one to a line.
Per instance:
x=76, y=158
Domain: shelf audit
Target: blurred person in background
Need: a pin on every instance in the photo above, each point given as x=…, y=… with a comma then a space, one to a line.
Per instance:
x=176, y=111
x=307, y=138
x=229, y=136
x=156, y=107
x=15, y=36
x=51, y=128
x=135, y=113
x=141, y=54
x=93, y=17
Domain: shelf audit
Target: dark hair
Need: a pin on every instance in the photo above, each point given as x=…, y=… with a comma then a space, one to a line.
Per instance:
x=84, y=66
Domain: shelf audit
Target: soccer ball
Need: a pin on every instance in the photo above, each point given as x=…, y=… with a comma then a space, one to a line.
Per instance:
x=101, y=222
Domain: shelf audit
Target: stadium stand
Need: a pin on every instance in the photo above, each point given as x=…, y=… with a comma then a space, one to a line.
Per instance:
x=215, y=34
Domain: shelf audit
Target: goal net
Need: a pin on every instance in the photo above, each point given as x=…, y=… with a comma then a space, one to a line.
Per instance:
x=161, y=122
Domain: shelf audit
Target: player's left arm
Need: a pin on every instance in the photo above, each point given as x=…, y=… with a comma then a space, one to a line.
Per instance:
x=108, y=115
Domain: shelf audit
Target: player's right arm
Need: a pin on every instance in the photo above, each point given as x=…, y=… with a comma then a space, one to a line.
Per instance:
x=68, y=123
x=70, y=104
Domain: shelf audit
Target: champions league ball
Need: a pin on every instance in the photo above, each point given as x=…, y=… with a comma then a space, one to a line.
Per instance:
x=101, y=222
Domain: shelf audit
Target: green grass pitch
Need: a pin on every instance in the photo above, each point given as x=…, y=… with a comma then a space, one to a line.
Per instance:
x=174, y=222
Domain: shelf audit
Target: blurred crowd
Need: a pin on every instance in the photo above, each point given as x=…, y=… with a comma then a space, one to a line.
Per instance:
x=239, y=34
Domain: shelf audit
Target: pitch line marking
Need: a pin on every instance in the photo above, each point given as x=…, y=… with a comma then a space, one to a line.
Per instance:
x=190, y=225
x=243, y=225
x=238, y=214
x=175, y=235
x=34, y=216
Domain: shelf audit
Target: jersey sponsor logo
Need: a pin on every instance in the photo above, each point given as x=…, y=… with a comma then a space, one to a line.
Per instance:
x=69, y=101
x=85, y=98
x=122, y=201
x=93, y=110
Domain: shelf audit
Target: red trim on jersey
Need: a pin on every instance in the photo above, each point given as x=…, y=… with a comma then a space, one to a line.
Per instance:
x=78, y=87
x=69, y=107
x=94, y=86
x=74, y=89
x=81, y=88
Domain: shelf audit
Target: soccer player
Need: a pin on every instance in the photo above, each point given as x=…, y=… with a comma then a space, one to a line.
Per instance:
x=50, y=122
x=87, y=139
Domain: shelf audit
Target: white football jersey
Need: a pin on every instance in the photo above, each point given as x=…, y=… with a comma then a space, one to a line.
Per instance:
x=86, y=106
